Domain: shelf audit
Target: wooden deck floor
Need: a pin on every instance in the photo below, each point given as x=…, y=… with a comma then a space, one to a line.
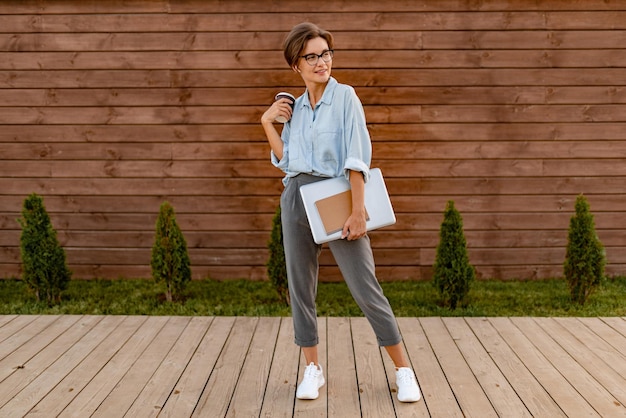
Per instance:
x=136, y=366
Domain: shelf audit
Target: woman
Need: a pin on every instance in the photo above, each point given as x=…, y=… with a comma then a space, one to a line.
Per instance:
x=326, y=136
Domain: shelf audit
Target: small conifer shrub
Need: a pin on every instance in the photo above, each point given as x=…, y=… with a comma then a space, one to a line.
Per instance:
x=170, y=259
x=585, y=257
x=453, y=272
x=45, y=270
x=276, y=267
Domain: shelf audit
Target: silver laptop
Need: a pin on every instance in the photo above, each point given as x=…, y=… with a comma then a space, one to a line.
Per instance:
x=328, y=203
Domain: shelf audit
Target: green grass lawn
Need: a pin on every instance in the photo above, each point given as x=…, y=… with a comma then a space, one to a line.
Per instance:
x=241, y=297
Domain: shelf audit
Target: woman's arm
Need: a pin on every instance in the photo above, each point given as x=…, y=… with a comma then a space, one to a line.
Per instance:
x=273, y=137
x=359, y=145
x=278, y=108
x=355, y=226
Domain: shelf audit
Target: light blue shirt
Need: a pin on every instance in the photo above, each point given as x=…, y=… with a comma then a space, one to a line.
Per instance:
x=327, y=141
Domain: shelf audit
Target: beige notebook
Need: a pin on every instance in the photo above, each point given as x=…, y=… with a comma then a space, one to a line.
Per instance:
x=335, y=210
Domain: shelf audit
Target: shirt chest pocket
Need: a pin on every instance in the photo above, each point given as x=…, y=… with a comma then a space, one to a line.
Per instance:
x=328, y=146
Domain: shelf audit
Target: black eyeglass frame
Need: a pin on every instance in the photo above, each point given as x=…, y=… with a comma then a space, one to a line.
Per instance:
x=319, y=56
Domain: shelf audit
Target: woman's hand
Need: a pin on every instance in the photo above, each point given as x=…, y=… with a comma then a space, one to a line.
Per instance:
x=281, y=107
x=355, y=226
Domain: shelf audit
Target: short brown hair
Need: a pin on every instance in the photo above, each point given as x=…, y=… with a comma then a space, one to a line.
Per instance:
x=297, y=38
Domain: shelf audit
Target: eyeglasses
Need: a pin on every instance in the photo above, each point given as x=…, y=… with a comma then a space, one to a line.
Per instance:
x=312, y=59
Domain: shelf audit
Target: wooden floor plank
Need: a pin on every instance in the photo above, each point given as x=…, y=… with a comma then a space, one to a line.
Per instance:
x=9, y=324
x=372, y=378
x=469, y=394
x=437, y=396
x=589, y=388
x=216, y=398
x=92, y=395
x=248, y=397
x=184, y=398
x=156, y=392
x=4, y=320
x=617, y=323
x=66, y=390
x=24, y=401
x=343, y=391
x=609, y=335
x=533, y=395
x=281, y=385
x=118, y=402
x=503, y=397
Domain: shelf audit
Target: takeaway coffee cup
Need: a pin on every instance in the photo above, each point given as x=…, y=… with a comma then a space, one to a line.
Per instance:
x=284, y=95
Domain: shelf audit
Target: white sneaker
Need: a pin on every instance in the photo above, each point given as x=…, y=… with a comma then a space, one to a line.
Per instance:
x=408, y=390
x=312, y=381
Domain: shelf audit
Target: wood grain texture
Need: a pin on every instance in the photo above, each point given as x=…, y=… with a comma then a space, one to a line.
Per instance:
x=509, y=108
x=227, y=366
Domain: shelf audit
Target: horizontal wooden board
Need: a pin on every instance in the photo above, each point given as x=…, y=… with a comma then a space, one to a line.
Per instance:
x=377, y=56
x=181, y=41
x=383, y=257
x=286, y=78
x=384, y=238
x=139, y=168
x=263, y=222
x=497, y=132
x=209, y=23
x=410, y=204
x=259, y=96
x=410, y=132
x=346, y=21
x=374, y=113
x=517, y=150
x=504, y=186
x=166, y=152
x=483, y=95
x=522, y=39
x=216, y=6
x=373, y=5
x=409, y=185
x=209, y=257
x=514, y=256
x=145, y=187
x=134, y=133
x=149, y=204
x=504, y=167
x=505, y=203
x=174, y=156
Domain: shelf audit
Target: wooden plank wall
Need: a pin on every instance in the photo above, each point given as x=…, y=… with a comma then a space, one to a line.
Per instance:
x=509, y=108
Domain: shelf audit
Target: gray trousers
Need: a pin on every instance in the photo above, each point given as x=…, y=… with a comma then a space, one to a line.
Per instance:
x=355, y=261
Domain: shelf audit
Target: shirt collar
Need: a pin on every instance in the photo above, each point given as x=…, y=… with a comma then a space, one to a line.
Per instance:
x=327, y=97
